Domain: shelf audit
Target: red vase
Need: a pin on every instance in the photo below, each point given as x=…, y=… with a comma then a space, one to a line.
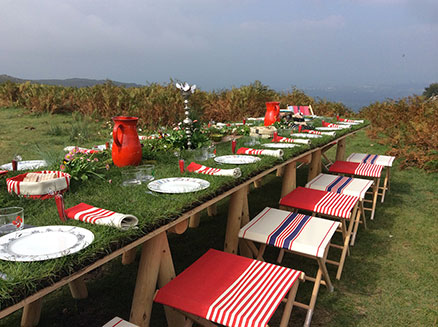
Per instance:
x=126, y=146
x=272, y=113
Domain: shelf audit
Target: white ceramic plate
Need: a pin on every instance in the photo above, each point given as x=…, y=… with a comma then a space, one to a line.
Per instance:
x=178, y=185
x=236, y=159
x=43, y=243
x=25, y=165
x=280, y=145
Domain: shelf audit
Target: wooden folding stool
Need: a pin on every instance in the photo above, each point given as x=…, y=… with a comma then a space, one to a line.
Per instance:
x=361, y=170
x=344, y=185
x=296, y=233
x=375, y=159
x=328, y=204
x=231, y=290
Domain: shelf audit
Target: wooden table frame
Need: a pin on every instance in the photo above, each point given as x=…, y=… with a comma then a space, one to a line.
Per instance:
x=154, y=245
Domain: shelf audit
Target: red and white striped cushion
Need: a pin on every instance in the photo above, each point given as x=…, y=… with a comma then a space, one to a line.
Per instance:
x=354, y=168
x=345, y=185
x=322, y=202
x=371, y=159
x=292, y=231
x=229, y=290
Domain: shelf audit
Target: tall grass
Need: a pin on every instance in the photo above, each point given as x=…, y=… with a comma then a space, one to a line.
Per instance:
x=409, y=126
x=156, y=104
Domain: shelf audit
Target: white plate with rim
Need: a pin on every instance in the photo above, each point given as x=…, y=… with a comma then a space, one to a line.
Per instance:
x=178, y=185
x=280, y=145
x=25, y=165
x=236, y=159
x=44, y=243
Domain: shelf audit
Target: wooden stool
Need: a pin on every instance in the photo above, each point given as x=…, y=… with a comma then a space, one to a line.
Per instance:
x=231, y=290
x=362, y=170
x=303, y=235
x=344, y=185
x=333, y=205
x=375, y=159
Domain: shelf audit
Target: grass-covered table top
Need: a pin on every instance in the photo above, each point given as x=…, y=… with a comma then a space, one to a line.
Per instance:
x=22, y=279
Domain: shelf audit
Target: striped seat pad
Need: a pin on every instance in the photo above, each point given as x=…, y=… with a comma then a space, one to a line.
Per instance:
x=339, y=184
x=375, y=159
x=292, y=231
x=322, y=202
x=355, y=168
x=229, y=290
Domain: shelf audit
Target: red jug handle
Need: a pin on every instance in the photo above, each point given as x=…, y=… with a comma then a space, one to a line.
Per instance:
x=116, y=137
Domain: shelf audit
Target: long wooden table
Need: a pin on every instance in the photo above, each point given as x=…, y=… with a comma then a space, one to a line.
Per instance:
x=156, y=265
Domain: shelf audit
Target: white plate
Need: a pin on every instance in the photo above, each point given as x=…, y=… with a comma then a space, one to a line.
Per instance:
x=43, y=243
x=178, y=185
x=25, y=165
x=236, y=159
x=280, y=145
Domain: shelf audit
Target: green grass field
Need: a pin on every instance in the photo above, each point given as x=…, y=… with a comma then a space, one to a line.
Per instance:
x=388, y=279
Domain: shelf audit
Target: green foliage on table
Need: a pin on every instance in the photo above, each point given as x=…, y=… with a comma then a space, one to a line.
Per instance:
x=82, y=166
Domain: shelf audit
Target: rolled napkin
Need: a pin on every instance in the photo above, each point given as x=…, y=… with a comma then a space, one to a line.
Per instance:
x=325, y=124
x=89, y=214
x=200, y=169
x=356, y=121
x=311, y=131
x=261, y=152
x=306, y=136
x=289, y=140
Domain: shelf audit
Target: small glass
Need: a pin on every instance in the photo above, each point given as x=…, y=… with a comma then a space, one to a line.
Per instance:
x=129, y=177
x=11, y=219
x=212, y=151
x=201, y=154
x=145, y=173
x=251, y=141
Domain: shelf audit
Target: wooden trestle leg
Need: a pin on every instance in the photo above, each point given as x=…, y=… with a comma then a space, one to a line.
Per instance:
x=155, y=266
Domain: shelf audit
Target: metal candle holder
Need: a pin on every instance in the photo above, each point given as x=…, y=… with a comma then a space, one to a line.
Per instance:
x=186, y=91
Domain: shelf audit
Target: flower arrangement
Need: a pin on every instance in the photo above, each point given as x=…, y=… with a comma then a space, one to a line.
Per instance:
x=82, y=165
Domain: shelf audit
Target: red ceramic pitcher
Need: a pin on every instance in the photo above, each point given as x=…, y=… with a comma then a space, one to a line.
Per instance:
x=126, y=147
x=272, y=113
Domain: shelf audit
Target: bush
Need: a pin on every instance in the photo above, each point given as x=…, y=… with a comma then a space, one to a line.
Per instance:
x=409, y=126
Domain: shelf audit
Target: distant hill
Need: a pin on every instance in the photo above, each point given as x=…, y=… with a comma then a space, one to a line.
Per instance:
x=74, y=82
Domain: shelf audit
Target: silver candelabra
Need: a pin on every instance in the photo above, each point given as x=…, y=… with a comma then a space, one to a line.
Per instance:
x=186, y=91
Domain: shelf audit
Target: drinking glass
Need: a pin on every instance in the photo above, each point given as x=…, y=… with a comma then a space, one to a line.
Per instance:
x=129, y=177
x=11, y=219
x=145, y=173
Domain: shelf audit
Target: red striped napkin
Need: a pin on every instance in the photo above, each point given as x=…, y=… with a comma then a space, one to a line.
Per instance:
x=261, y=152
x=289, y=140
x=200, y=169
x=93, y=215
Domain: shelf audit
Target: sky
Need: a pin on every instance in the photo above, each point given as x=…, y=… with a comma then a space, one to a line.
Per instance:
x=220, y=44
